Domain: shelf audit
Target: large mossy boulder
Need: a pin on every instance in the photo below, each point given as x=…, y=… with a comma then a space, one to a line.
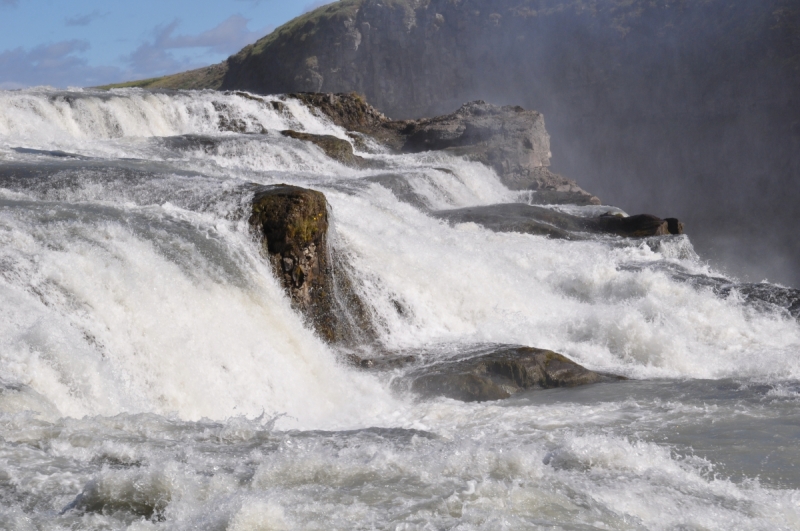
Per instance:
x=501, y=374
x=293, y=225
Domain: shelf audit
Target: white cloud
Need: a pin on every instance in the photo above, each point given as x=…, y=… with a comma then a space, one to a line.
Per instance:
x=58, y=64
x=84, y=20
x=156, y=57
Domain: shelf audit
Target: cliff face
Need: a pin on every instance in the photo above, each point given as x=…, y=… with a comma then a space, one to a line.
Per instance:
x=416, y=58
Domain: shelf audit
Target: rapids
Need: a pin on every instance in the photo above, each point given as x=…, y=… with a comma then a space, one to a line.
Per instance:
x=154, y=376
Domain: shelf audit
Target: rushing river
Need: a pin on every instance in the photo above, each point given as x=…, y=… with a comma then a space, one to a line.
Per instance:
x=153, y=374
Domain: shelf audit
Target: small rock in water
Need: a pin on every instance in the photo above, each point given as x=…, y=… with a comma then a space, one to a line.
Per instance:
x=501, y=374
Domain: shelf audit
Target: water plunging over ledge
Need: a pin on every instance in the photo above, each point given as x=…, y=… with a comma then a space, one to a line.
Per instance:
x=153, y=374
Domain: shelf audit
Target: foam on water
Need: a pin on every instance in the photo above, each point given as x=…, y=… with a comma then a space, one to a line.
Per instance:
x=469, y=284
x=159, y=310
x=152, y=369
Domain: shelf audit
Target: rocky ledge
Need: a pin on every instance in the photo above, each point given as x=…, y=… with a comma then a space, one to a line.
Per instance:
x=529, y=219
x=501, y=374
x=493, y=373
x=511, y=140
x=292, y=225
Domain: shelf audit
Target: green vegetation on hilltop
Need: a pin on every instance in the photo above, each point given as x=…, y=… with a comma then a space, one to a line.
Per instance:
x=306, y=25
x=210, y=77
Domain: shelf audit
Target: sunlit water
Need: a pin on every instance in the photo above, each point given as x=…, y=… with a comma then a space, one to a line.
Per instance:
x=154, y=376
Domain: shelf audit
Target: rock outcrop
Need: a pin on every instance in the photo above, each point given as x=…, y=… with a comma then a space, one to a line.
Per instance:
x=511, y=140
x=293, y=225
x=336, y=148
x=518, y=217
x=501, y=374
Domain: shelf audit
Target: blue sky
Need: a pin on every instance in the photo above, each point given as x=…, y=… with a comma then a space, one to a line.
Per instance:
x=92, y=42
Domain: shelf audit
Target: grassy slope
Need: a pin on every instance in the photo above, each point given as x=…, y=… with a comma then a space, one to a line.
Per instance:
x=209, y=77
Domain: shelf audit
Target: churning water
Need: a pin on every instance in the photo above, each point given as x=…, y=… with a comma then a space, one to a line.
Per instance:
x=153, y=374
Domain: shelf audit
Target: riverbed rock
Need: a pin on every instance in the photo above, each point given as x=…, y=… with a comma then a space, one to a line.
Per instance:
x=530, y=219
x=501, y=374
x=511, y=140
x=336, y=148
x=293, y=225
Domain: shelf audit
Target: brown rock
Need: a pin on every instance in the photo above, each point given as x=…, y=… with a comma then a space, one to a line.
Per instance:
x=501, y=374
x=293, y=223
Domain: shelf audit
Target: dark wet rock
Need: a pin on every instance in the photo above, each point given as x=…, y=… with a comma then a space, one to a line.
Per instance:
x=351, y=112
x=638, y=226
x=501, y=374
x=518, y=217
x=674, y=226
x=515, y=218
x=293, y=224
x=336, y=148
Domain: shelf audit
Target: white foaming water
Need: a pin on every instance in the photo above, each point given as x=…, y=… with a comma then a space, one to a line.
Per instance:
x=154, y=376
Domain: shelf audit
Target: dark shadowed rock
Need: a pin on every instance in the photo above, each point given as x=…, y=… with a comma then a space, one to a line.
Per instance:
x=518, y=217
x=638, y=226
x=501, y=374
x=674, y=226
